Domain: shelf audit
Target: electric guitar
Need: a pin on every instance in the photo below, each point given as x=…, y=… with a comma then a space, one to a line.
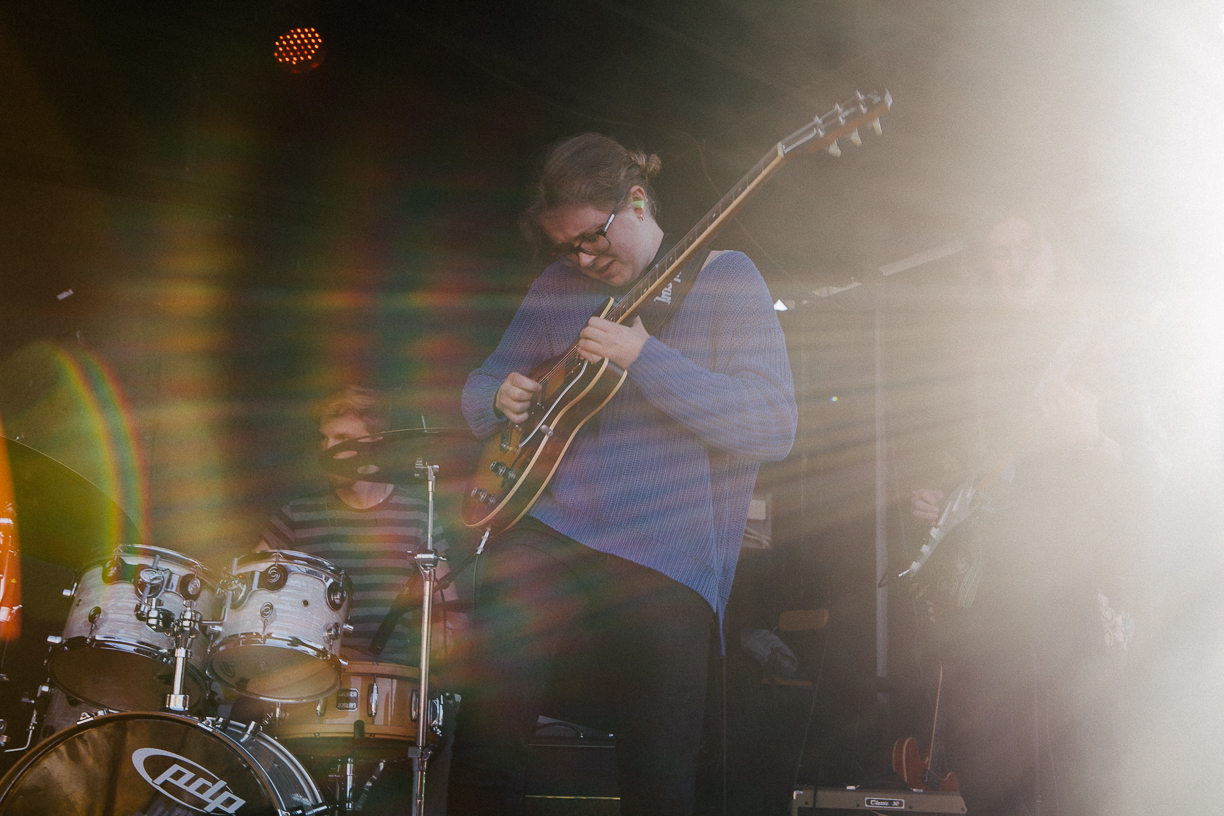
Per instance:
x=955, y=581
x=518, y=462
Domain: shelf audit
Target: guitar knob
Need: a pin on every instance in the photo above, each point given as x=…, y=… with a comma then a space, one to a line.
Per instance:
x=490, y=499
x=479, y=494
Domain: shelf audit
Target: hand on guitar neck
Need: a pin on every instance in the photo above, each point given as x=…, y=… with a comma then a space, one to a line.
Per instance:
x=614, y=341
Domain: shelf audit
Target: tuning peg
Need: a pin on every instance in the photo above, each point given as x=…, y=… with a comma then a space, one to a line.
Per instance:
x=856, y=139
x=834, y=150
x=875, y=125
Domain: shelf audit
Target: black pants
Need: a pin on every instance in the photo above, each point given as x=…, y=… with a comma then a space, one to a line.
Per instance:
x=540, y=594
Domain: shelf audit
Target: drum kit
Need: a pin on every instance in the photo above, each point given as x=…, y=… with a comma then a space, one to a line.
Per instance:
x=128, y=719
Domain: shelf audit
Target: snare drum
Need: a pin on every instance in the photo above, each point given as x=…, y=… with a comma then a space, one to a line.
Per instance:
x=371, y=716
x=110, y=658
x=138, y=762
x=280, y=640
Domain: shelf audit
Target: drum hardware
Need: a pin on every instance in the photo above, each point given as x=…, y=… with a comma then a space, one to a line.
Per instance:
x=344, y=782
x=435, y=712
x=43, y=693
x=369, y=783
x=186, y=628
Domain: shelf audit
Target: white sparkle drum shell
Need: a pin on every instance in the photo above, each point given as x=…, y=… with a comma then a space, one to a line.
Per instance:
x=110, y=658
x=144, y=762
x=281, y=637
x=371, y=716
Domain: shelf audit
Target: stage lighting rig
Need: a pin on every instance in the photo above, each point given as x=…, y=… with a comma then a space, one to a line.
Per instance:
x=300, y=49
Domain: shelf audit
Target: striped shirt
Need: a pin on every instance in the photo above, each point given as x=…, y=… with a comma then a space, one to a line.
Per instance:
x=374, y=547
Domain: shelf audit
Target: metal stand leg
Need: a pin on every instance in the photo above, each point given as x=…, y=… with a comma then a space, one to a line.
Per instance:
x=427, y=563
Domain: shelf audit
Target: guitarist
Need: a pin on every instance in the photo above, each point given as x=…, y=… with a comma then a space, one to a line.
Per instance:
x=632, y=547
x=1060, y=414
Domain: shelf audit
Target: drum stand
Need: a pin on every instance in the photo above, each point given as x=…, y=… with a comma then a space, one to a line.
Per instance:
x=344, y=781
x=183, y=629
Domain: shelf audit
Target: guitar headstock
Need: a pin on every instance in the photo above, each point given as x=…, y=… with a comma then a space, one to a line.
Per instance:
x=842, y=120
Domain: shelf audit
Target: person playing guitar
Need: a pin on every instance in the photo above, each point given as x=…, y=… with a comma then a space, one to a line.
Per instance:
x=1033, y=586
x=632, y=546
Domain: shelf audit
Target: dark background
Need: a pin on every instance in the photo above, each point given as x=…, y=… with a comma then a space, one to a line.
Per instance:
x=238, y=240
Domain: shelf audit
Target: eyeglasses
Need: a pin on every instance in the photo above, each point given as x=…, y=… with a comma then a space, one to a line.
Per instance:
x=593, y=243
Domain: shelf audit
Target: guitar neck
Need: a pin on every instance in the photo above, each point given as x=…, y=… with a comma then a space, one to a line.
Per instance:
x=819, y=134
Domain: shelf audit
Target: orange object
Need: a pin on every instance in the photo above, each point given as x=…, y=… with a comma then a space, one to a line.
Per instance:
x=909, y=764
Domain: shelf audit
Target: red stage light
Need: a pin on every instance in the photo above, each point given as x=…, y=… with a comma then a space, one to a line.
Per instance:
x=299, y=50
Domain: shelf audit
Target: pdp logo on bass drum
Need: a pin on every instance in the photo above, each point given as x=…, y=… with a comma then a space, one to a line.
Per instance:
x=185, y=782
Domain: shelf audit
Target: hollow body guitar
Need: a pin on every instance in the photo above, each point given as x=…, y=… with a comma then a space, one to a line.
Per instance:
x=518, y=462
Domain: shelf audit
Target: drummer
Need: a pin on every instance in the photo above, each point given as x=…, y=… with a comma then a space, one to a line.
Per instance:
x=371, y=530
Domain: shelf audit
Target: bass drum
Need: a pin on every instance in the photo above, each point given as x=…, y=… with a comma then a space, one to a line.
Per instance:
x=63, y=712
x=152, y=763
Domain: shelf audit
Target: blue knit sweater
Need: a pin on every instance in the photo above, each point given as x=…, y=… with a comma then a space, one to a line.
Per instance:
x=662, y=476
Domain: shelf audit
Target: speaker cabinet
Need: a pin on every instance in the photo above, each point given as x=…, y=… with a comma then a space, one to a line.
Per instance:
x=571, y=771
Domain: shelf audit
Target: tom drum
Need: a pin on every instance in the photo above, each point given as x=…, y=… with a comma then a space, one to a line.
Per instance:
x=280, y=640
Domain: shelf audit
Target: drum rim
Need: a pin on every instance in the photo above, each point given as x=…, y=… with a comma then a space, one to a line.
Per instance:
x=282, y=752
x=127, y=647
x=354, y=666
x=296, y=645
x=293, y=644
x=305, y=562
x=209, y=725
x=201, y=571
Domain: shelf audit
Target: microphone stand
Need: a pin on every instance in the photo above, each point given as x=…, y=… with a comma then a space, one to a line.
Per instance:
x=427, y=562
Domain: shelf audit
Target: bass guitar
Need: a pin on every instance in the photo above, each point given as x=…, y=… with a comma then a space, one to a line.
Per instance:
x=517, y=463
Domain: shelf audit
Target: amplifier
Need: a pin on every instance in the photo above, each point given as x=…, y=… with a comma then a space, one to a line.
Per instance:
x=571, y=771
x=807, y=799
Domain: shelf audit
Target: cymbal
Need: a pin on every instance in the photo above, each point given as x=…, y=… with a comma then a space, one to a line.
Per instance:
x=62, y=517
x=391, y=456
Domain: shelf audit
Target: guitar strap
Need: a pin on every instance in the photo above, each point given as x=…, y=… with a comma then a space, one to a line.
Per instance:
x=666, y=302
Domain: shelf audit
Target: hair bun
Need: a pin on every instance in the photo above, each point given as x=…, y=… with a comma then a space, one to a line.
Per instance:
x=650, y=165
